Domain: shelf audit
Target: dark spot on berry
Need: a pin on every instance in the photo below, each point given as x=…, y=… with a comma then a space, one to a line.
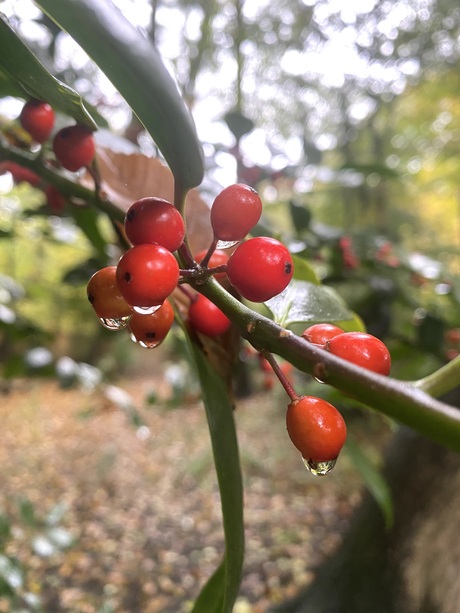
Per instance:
x=150, y=335
x=91, y=298
x=127, y=277
x=65, y=132
x=131, y=215
x=287, y=268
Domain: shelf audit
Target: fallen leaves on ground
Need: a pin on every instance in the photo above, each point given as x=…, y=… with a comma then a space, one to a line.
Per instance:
x=142, y=503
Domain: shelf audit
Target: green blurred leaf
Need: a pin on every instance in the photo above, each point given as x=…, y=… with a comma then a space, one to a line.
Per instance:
x=300, y=216
x=221, y=590
x=27, y=512
x=80, y=274
x=303, y=271
x=369, y=169
x=304, y=302
x=135, y=68
x=238, y=124
x=18, y=64
x=13, y=367
x=355, y=324
x=86, y=219
x=373, y=479
x=11, y=573
x=5, y=529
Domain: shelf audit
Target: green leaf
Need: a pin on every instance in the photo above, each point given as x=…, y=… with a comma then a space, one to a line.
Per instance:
x=11, y=573
x=303, y=271
x=300, y=216
x=373, y=479
x=355, y=324
x=19, y=65
x=210, y=599
x=238, y=124
x=27, y=512
x=5, y=529
x=135, y=68
x=219, y=594
x=369, y=169
x=86, y=219
x=304, y=302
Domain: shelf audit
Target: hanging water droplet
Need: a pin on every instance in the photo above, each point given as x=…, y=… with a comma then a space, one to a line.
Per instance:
x=147, y=310
x=144, y=343
x=115, y=324
x=319, y=469
x=319, y=371
x=226, y=244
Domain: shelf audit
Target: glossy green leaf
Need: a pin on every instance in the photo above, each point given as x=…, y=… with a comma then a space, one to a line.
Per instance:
x=304, y=302
x=355, y=324
x=373, y=479
x=219, y=594
x=20, y=67
x=134, y=66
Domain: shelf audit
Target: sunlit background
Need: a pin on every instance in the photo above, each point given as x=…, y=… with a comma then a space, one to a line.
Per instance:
x=357, y=95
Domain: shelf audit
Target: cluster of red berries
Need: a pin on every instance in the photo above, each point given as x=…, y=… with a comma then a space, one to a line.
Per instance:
x=138, y=288
x=362, y=349
x=73, y=146
x=316, y=427
x=350, y=260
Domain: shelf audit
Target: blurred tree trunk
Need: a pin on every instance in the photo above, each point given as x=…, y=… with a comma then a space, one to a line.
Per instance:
x=415, y=566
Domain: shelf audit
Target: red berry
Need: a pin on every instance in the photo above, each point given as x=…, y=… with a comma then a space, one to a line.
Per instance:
x=453, y=336
x=147, y=274
x=260, y=268
x=20, y=173
x=362, y=349
x=155, y=220
x=74, y=147
x=321, y=333
x=206, y=317
x=218, y=258
x=54, y=199
x=235, y=211
x=151, y=329
x=37, y=118
x=316, y=428
x=104, y=295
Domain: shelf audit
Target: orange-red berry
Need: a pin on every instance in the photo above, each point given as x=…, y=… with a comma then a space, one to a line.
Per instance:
x=362, y=349
x=37, y=118
x=316, y=428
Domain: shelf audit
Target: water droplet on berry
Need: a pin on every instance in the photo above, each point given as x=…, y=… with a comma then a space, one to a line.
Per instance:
x=318, y=380
x=114, y=324
x=146, y=310
x=319, y=469
x=145, y=343
x=226, y=244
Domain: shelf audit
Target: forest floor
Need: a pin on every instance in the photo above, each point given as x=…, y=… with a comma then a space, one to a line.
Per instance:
x=141, y=526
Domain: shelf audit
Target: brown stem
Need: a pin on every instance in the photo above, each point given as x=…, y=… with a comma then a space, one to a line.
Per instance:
x=290, y=391
x=212, y=247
